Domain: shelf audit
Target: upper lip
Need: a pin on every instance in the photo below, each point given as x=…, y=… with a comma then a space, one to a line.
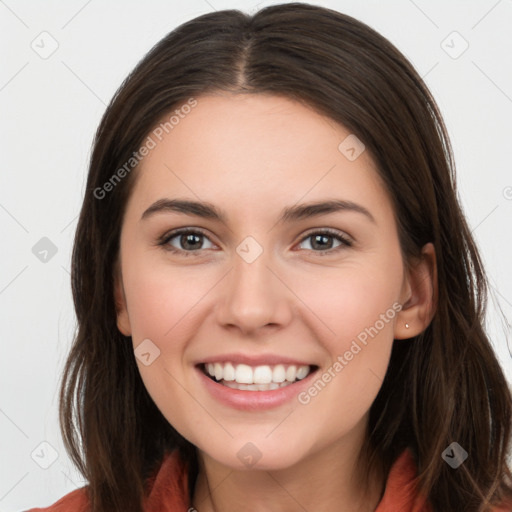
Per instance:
x=254, y=360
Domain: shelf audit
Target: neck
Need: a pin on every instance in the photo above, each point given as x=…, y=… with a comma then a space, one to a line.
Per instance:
x=329, y=480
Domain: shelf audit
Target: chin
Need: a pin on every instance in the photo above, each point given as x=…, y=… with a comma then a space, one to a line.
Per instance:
x=260, y=454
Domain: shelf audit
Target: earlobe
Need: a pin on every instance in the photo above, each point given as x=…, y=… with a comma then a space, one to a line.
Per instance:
x=123, y=320
x=420, y=305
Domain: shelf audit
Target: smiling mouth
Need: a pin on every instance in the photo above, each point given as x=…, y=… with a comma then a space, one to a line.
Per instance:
x=256, y=378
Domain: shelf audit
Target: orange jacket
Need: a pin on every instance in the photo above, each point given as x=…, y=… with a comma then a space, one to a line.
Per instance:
x=169, y=490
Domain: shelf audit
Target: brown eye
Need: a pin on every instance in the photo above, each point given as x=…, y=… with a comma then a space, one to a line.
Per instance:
x=323, y=241
x=185, y=241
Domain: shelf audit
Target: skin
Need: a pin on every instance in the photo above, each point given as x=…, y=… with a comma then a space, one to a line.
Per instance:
x=251, y=156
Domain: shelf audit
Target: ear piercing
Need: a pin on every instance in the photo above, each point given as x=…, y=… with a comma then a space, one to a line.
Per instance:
x=407, y=326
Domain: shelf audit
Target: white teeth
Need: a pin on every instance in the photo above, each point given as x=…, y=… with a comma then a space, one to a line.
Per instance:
x=255, y=387
x=301, y=372
x=243, y=374
x=291, y=373
x=218, y=371
x=279, y=373
x=229, y=372
x=262, y=375
x=254, y=378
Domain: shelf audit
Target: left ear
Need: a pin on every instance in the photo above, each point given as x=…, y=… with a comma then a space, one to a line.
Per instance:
x=419, y=296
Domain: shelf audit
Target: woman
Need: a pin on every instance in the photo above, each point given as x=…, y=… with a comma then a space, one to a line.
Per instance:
x=280, y=303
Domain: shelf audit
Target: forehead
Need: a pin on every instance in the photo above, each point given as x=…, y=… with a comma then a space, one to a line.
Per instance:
x=261, y=148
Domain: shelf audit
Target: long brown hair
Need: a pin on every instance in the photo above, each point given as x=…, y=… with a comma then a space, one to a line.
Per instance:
x=444, y=385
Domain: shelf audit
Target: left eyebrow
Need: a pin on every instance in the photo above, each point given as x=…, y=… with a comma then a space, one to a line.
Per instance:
x=303, y=211
x=291, y=213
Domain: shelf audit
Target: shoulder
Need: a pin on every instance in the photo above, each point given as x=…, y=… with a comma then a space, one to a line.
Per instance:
x=167, y=489
x=401, y=495
x=75, y=501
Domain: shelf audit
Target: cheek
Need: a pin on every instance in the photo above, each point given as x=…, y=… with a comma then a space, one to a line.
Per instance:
x=161, y=299
x=351, y=299
x=357, y=306
x=360, y=305
x=161, y=308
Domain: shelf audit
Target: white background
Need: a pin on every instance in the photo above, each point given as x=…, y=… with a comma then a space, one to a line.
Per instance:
x=50, y=108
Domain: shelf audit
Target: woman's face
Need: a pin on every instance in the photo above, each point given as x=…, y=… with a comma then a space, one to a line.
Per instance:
x=273, y=285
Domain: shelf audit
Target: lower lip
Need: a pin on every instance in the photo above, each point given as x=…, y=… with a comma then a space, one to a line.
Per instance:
x=254, y=400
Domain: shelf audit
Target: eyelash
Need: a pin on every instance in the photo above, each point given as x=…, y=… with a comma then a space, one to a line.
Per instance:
x=165, y=239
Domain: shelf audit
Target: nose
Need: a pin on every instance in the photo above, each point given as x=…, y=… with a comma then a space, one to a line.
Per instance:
x=254, y=297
